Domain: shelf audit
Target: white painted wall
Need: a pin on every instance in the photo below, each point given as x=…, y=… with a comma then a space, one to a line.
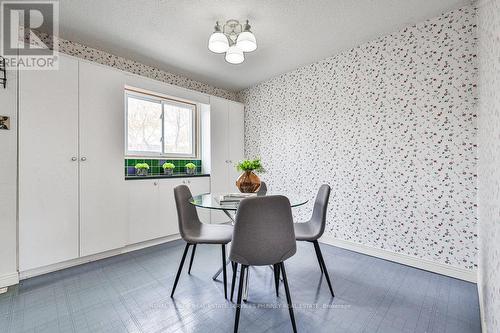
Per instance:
x=8, y=184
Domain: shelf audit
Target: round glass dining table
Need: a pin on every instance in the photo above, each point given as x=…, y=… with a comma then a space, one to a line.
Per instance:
x=212, y=201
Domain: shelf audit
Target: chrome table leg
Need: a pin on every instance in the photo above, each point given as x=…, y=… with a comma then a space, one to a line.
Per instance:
x=216, y=275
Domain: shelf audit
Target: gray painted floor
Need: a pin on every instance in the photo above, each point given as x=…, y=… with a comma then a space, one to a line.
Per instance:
x=130, y=293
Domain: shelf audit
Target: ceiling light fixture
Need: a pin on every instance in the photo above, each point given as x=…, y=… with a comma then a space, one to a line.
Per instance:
x=233, y=38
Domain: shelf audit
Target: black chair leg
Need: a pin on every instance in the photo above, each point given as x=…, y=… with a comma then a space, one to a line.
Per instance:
x=180, y=269
x=235, y=269
x=224, y=269
x=318, y=257
x=288, y=298
x=277, y=278
x=192, y=257
x=240, y=292
x=318, y=249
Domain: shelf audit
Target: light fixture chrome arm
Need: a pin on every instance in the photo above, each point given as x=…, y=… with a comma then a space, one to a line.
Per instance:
x=247, y=26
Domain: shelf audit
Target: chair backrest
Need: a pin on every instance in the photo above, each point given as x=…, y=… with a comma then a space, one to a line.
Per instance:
x=263, y=231
x=262, y=189
x=187, y=216
x=318, y=218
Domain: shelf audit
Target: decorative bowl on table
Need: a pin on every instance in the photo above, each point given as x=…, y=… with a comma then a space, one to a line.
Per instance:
x=248, y=181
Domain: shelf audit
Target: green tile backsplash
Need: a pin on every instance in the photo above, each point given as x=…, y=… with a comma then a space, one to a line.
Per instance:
x=155, y=165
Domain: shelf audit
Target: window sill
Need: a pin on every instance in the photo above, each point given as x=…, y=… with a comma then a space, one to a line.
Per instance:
x=179, y=175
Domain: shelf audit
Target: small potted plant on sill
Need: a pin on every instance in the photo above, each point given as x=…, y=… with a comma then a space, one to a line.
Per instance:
x=168, y=168
x=141, y=169
x=190, y=168
x=248, y=181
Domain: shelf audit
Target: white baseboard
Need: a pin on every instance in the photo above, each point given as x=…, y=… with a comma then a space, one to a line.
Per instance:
x=8, y=280
x=428, y=265
x=435, y=267
x=74, y=262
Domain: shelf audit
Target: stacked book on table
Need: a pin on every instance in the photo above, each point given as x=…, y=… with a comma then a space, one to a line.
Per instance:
x=232, y=199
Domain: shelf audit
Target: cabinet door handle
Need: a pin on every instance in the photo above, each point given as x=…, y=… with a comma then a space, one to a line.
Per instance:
x=83, y=159
x=74, y=158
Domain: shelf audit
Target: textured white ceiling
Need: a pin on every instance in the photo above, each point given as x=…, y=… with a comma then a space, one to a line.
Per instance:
x=172, y=34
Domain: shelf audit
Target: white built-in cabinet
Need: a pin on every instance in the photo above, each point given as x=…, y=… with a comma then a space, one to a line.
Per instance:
x=226, y=147
x=152, y=211
x=144, y=211
x=199, y=185
x=74, y=200
x=103, y=200
x=48, y=165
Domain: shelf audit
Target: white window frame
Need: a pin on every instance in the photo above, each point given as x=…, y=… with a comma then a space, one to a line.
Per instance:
x=156, y=98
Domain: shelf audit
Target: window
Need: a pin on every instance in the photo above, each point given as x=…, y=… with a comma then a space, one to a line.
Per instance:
x=160, y=127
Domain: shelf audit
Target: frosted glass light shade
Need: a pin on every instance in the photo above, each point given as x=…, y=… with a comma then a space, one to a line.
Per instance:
x=246, y=41
x=218, y=43
x=234, y=55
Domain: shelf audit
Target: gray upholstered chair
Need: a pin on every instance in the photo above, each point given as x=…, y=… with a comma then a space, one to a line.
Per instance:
x=195, y=232
x=263, y=235
x=312, y=230
x=262, y=189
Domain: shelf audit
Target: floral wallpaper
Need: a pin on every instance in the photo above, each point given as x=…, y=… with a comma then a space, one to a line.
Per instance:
x=391, y=125
x=489, y=161
x=104, y=58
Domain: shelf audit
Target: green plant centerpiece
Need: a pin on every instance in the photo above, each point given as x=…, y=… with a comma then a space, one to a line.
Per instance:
x=248, y=181
x=190, y=168
x=168, y=168
x=141, y=169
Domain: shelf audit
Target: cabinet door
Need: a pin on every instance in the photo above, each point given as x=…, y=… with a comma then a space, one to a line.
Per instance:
x=236, y=132
x=168, y=211
x=103, y=221
x=48, y=177
x=219, y=149
x=219, y=144
x=144, y=222
x=200, y=185
x=152, y=212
